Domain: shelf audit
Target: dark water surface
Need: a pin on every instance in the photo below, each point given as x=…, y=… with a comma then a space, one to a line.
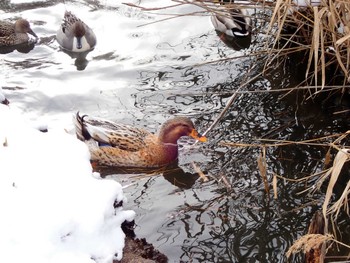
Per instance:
x=142, y=76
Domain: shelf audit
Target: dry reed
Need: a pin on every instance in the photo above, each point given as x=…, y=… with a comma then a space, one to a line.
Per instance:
x=199, y=172
x=308, y=242
x=323, y=30
x=274, y=186
x=262, y=165
x=333, y=174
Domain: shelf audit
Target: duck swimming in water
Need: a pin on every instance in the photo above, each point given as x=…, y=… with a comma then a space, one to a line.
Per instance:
x=12, y=34
x=232, y=22
x=115, y=144
x=74, y=35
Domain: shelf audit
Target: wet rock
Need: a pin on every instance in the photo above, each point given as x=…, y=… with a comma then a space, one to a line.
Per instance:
x=138, y=250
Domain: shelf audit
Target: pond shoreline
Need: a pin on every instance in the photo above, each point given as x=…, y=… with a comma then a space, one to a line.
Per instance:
x=138, y=249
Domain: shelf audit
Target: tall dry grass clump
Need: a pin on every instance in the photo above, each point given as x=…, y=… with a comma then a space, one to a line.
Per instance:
x=322, y=29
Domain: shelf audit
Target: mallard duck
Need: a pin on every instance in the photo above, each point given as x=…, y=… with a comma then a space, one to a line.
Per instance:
x=115, y=144
x=15, y=33
x=74, y=35
x=232, y=22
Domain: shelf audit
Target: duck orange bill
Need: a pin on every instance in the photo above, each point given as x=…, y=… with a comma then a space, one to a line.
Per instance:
x=194, y=134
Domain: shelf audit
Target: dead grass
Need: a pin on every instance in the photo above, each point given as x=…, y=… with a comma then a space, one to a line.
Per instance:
x=323, y=34
x=341, y=203
x=322, y=30
x=262, y=165
x=307, y=243
x=199, y=172
x=329, y=175
x=332, y=174
x=330, y=208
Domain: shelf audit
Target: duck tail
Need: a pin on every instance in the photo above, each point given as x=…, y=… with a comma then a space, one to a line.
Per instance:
x=80, y=127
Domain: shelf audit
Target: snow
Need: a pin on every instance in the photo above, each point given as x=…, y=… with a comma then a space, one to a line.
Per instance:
x=305, y=3
x=25, y=1
x=53, y=207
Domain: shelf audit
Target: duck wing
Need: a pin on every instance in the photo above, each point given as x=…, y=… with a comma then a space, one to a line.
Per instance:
x=232, y=19
x=117, y=135
x=6, y=29
x=68, y=20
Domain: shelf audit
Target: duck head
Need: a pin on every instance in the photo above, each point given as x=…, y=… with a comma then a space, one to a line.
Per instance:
x=22, y=26
x=79, y=33
x=175, y=128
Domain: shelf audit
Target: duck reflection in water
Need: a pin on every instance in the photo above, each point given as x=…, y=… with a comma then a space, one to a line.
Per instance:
x=172, y=173
x=80, y=58
x=233, y=26
x=21, y=48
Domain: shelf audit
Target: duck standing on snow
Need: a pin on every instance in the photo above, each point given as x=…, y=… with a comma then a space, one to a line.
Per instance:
x=12, y=34
x=115, y=144
x=74, y=35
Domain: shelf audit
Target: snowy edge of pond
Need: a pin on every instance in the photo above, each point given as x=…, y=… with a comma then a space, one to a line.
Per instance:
x=54, y=208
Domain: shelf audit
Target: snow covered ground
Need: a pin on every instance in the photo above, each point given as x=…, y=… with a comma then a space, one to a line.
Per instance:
x=53, y=207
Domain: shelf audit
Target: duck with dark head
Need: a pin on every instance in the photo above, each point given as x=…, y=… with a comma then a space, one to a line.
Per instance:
x=74, y=35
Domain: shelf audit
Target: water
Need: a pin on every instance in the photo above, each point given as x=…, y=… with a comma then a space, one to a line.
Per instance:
x=143, y=74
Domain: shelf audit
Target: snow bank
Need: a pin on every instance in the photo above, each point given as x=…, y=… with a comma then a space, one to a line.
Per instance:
x=52, y=207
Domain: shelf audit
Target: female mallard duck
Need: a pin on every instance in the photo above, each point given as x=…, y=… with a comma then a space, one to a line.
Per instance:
x=12, y=34
x=115, y=144
x=74, y=35
x=232, y=22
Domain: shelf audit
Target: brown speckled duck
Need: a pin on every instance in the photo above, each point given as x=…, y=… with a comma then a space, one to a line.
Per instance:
x=15, y=34
x=115, y=144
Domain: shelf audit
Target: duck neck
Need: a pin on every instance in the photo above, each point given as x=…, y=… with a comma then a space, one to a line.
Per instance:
x=171, y=152
x=169, y=135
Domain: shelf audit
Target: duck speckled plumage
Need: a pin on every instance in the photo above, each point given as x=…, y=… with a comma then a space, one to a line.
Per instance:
x=15, y=33
x=74, y=35
x=114, y=144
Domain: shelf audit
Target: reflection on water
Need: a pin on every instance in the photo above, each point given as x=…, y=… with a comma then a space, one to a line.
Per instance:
x=22, y=48
x=145, y=74
x=235, y=42
x=172, y=173
x=80, y=58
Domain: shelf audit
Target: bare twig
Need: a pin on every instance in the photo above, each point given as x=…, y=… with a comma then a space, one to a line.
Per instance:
x=200, y=173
